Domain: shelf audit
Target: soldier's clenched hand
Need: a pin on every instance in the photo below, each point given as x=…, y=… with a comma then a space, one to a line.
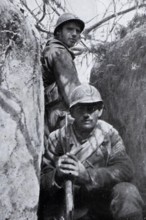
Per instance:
x=69, y=167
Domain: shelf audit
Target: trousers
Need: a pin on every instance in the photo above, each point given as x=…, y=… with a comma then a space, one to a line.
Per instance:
x=122, y=202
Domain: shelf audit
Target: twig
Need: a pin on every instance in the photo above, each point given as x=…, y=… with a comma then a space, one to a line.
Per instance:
x=42, y=30
x=54, y=9
x=30, y=11
x=44, y=13
x=58, y=5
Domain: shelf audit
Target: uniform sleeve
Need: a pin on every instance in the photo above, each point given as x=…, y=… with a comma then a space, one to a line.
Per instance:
x=48, y=169
x=119, y=167
x=63, y=67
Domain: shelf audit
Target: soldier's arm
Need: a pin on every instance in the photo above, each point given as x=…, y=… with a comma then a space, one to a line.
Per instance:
x=119, y=167
x=48, y=170
x=64, y=69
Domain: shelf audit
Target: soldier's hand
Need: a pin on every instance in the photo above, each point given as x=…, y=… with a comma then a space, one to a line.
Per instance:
x=59, y=166
x=70, y=167
x=80, y=173
x=63, y=169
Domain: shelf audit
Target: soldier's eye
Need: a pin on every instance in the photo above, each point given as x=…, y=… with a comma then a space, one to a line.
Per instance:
x=69, y=29
x=91, y=109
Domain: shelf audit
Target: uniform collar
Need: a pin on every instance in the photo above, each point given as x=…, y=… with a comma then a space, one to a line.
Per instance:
x=95, y=132
x=56, y=41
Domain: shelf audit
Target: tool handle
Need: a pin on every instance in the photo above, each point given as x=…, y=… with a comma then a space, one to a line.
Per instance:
x=69, y=199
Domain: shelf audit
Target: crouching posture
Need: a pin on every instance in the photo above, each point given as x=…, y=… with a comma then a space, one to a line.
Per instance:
x=90, y=153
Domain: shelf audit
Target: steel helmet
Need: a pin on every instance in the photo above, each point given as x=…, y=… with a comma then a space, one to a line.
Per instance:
x=85, y=93
x=68, y=17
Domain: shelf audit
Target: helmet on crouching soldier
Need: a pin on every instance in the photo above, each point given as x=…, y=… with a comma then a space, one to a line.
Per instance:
x=85, y=94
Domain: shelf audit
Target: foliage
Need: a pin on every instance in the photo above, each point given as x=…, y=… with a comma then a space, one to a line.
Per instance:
x=137, y=21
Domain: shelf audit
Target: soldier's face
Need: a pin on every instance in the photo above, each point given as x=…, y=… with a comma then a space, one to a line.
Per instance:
x=86, y=116
x=69, y=34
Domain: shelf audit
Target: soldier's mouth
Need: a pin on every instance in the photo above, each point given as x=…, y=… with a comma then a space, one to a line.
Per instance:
x=72, y=40
x=87, y=121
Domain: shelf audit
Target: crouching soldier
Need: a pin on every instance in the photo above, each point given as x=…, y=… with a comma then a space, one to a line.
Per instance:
x=91, y=154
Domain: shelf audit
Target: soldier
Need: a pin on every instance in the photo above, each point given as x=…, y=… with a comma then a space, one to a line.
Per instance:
x=59, y=71
x=90, y=153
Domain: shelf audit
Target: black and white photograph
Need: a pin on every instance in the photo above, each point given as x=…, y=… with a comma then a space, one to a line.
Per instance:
x=72, y=109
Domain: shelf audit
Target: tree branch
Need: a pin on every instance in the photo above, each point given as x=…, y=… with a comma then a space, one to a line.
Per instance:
x=54, y=9
x=58, y=5
x=33, y=15
x=88, y=30
x=44, y=13
x=42, y=30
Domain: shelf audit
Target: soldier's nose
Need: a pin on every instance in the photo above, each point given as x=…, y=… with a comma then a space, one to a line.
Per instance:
x=86, y=115
x=74, y=33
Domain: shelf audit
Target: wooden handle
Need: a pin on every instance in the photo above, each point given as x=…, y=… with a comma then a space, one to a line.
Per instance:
x=69, y=199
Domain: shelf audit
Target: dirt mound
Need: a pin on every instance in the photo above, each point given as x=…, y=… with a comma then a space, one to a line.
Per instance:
x=121, y=79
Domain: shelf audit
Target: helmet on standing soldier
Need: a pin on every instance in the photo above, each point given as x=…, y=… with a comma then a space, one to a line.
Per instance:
x=67, y=17
x=85, y=93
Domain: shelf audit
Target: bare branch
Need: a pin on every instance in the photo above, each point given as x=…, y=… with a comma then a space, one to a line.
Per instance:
x=114, y=5
x=79, y=50
x=38, y=6
x=58, y=5
x=44, y=13
x=88, y=30
x=42, y=30
x=31, y=12
x=91, y=19
x=54, y=9
x=115, y=12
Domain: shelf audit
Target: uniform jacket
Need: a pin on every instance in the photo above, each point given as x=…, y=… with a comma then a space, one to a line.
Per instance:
x=102, y=153
x=59, y=72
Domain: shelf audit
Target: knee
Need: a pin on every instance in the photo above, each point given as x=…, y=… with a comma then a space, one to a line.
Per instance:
x=127, y=195
x=126, y=191
x=126, y=200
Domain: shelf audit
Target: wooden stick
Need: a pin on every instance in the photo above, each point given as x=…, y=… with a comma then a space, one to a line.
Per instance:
x=68, y=186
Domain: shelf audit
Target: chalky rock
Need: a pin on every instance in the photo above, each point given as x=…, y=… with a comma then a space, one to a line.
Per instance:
x=21, y=115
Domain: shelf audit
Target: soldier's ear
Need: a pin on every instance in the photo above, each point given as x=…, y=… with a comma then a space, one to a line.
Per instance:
x=58, y=32
x=72, y=111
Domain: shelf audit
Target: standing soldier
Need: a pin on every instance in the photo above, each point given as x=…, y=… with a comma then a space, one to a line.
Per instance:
x=59, y=71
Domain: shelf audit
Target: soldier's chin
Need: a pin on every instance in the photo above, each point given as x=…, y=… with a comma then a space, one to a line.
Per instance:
x=71, y=44
x=87, y=126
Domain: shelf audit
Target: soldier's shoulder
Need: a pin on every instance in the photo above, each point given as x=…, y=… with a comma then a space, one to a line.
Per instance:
x=54, y=49
x=104, y=126
x=54, y=44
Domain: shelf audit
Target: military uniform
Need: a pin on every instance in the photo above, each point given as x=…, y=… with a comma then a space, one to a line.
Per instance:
x=109, y=191
x=60, y=78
